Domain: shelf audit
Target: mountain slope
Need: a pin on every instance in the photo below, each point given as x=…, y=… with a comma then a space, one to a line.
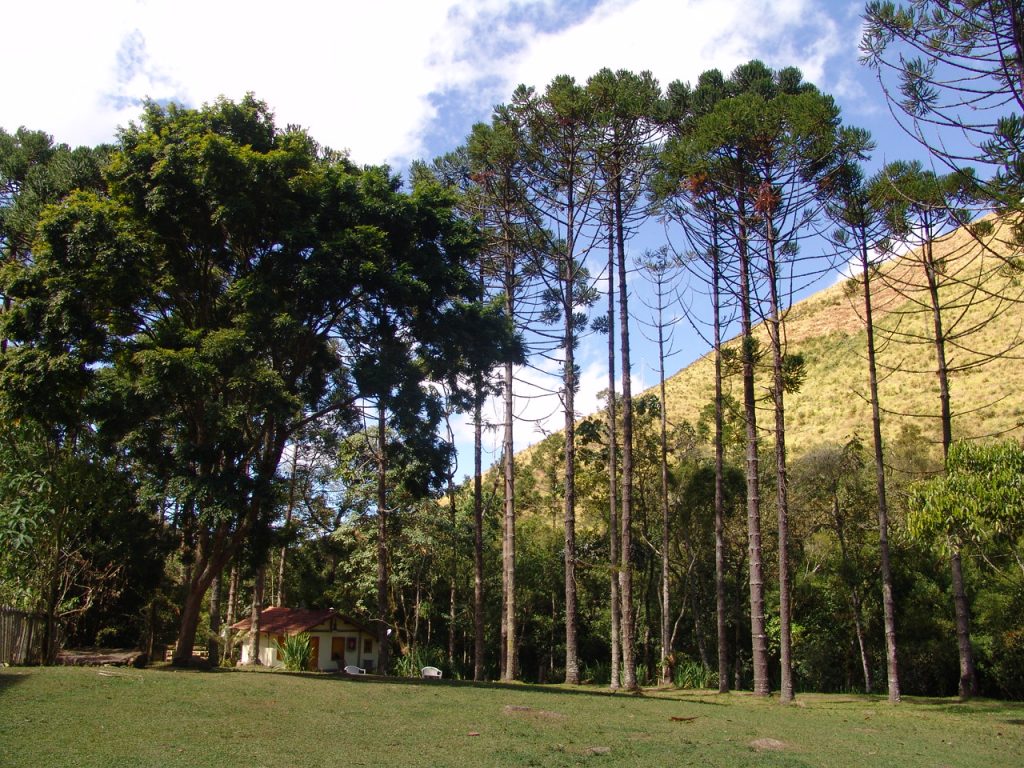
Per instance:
x=827, y=329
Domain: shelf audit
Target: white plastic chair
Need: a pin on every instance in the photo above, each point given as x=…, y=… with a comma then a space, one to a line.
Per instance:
x=431, y=673
x=352, y=669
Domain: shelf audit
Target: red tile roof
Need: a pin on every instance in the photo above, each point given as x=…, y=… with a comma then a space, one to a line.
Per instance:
x=288, y=621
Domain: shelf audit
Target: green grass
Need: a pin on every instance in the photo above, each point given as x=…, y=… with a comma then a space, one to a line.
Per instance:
x=158, y=717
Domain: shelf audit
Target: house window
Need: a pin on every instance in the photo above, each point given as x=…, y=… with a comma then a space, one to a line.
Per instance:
x=350, y=643
x=367, y=645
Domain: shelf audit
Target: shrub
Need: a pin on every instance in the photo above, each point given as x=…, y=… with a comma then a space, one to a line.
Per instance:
x=411, y=664
x=692, y=674
x=296, y=652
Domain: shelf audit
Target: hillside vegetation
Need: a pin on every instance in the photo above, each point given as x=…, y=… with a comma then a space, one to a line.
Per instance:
x=828, y=330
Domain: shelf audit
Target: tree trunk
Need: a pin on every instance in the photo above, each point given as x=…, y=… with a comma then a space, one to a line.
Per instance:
x=229, y=633
x=572, y=672
x=212, y=555
x=213, y=645
x=613, y=491
x=254, y=616
x=478, y=539
x=626, y=571
x=383, y=614
x=508, y=545
x=283, y=553
x=968, y=681
x=888, y=602
x=775, y=324
x=720, y=608
x=759, y=638
x=453, y=576
x=666, y=647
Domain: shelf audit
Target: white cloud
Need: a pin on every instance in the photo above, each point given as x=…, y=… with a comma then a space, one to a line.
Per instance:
x=365, y=76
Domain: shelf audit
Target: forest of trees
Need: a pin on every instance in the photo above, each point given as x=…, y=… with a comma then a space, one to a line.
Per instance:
x=230, y=359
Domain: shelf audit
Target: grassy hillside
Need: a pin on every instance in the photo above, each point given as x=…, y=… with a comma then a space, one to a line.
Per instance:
x=828, y=330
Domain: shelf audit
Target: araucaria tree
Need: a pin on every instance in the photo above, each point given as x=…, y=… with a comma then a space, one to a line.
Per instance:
x=953, y=74
x=769, y=143
x=859, y=230
x=626, y=111
x=953, y=297
x=563, y=193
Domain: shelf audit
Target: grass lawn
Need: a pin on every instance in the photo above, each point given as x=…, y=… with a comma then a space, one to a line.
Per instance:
x=163, y=717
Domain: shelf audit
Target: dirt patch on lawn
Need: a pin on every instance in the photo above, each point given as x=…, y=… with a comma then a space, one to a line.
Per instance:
x=767, y=745
x=539, y=714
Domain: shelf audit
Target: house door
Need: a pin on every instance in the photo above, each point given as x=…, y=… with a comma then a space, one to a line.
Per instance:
x=314, y=654
x=338, y=650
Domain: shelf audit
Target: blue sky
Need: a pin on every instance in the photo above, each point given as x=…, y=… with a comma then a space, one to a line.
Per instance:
x=396, y=81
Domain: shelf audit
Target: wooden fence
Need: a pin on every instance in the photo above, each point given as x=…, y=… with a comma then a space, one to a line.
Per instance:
x=21, y=636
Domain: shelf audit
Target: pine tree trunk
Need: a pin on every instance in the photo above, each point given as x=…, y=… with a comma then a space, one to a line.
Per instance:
x=383, y=613
x=968, y=680
x=782, y=491
x=478, y=539
x=229, y=633
x=626, y=540
x=453, y=576
x=281, y=595
x=888, y=601
x=572, y=673
x=613, y=491
x=508, y=546
x=666, y=646
x=720, y=607
x=759, y=638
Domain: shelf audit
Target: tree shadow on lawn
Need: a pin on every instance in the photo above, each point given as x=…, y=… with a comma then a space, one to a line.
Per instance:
x=9, y=678
x=554, y=690
x=974, y=706
x=666, y=695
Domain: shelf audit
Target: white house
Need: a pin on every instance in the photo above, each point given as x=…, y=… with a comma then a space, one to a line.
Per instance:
x=337, y=641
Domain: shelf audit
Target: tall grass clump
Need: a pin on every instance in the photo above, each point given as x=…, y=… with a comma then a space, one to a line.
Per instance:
x=693, y=675
x=412, y=662
x=296, y=652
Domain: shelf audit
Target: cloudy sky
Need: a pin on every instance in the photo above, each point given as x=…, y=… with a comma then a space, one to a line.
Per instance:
x=391, y=81
x=401, y=80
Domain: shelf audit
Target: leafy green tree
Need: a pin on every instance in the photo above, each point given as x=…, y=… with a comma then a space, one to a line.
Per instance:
x=831, y=489
x=978, y=500
x=216, y=300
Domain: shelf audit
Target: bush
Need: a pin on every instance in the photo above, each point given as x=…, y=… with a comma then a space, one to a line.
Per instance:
x=1008, y=663
x=694, y=675
x=296, y=652
x=412, y=663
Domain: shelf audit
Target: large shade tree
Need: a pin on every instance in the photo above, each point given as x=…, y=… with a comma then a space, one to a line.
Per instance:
x=218, y=298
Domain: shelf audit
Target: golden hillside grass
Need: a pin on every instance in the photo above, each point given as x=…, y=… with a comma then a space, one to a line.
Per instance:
x=828, y=330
